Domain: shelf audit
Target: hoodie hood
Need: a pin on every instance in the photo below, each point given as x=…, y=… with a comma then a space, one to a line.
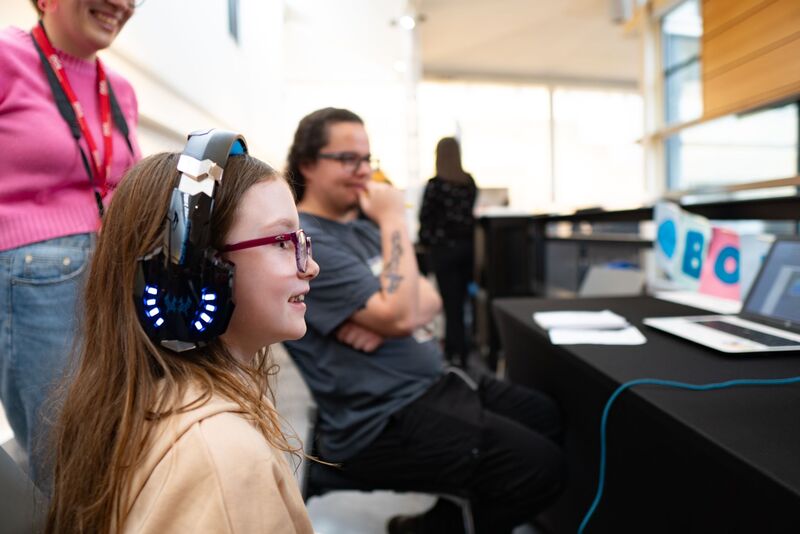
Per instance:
x=170, y=429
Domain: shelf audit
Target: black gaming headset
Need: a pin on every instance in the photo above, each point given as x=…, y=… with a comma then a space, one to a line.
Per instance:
x=183, y=290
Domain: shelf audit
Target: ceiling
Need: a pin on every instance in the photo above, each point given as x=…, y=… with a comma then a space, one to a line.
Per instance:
x=536, y=40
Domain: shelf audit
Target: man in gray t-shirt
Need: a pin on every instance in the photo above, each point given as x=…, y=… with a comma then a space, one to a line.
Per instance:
x=387, y=410
x=356, y=391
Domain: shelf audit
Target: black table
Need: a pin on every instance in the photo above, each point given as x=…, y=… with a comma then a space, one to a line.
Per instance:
x=678, y=461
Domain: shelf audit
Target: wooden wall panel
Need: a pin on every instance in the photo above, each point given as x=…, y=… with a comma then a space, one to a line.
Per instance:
x=750, y=55
x=765, y=28
x=718, y=13
x=767, y=78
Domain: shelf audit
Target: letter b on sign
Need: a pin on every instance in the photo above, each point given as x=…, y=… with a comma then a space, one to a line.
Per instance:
x=693, y=254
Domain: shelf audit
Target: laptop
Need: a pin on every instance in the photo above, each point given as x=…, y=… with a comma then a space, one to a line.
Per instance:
x=770, y=317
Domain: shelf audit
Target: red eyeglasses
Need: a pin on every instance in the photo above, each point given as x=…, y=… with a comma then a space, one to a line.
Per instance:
x=301, y=242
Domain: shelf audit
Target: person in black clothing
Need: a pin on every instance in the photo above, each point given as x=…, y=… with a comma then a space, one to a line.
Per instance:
x=446, y=227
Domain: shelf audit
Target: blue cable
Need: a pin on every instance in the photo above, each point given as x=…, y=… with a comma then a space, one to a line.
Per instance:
x=668, y=383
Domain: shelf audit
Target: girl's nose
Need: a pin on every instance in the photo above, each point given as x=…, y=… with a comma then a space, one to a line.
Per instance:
x=312, y=270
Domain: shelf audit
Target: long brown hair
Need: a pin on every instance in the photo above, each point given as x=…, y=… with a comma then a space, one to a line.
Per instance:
x=123, y=382
x=448, y=161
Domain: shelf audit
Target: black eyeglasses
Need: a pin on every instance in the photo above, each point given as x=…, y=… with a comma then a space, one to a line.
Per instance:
x=301, y=242
x=351, y=161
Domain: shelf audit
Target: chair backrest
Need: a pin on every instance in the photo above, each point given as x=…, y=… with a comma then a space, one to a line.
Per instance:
x=23, y=509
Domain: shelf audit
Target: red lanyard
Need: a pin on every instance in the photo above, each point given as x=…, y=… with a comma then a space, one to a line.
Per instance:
x=101, y=171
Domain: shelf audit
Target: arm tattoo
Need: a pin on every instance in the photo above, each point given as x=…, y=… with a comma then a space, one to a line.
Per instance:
x=390, y=271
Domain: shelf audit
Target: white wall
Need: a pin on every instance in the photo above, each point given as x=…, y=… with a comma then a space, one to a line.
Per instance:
x=189, y=73
x=18, y=13
x=343, y=54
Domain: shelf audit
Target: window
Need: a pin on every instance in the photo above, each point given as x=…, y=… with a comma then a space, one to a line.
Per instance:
x=506, y=133
x=233, y=19
x=598, y=161
x=706, y=155
x=743, y=148
x=749, y=147
x=681, y=29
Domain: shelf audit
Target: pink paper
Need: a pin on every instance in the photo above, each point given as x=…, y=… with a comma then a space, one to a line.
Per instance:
x=720, y=275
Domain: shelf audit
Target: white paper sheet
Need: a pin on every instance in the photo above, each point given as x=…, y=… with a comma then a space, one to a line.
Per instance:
x=624, y=336
x=597, y=320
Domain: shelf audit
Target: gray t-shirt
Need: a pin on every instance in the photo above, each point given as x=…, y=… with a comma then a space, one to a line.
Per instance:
x=356, y=392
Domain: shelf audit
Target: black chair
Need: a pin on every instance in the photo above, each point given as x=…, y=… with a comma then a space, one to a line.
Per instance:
x=22, y=508
x=319, y=479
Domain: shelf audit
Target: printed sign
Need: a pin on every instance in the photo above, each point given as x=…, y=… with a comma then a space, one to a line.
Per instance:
x=721, y=268
x=681, y=244
x=714, y=261
x=669, y=239
x=696, y=232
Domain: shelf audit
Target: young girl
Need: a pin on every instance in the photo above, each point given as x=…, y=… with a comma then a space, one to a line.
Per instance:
x=151, y=440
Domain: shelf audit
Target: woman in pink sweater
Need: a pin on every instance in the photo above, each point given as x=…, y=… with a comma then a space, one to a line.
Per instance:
x=58, y=170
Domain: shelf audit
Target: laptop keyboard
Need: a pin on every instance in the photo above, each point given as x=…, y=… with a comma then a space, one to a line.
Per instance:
x=753, y=335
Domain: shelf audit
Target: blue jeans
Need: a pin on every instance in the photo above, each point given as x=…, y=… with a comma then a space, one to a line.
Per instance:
x=40, y=285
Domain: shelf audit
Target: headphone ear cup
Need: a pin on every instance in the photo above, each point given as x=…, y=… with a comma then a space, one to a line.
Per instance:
x=181, y=309
x=184, y=289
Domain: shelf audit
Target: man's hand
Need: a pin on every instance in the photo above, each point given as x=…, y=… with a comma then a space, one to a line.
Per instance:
x=382, y=202
x=358, y=337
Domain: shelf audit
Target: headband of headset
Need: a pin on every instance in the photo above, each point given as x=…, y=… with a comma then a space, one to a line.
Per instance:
x=183, y=290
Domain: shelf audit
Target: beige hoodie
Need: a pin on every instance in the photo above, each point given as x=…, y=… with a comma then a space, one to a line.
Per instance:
x=211, y=470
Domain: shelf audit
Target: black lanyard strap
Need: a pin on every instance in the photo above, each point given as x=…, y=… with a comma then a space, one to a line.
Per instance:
x=68, y=114
x=119, y=118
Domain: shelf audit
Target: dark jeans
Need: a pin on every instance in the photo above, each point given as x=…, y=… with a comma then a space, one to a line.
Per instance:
x=495, y=445
x=453, y=267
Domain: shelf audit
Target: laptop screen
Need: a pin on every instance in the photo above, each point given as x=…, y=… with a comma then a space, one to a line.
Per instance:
x=775, y=295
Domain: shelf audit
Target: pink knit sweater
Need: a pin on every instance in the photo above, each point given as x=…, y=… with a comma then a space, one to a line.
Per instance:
x=44, y=189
